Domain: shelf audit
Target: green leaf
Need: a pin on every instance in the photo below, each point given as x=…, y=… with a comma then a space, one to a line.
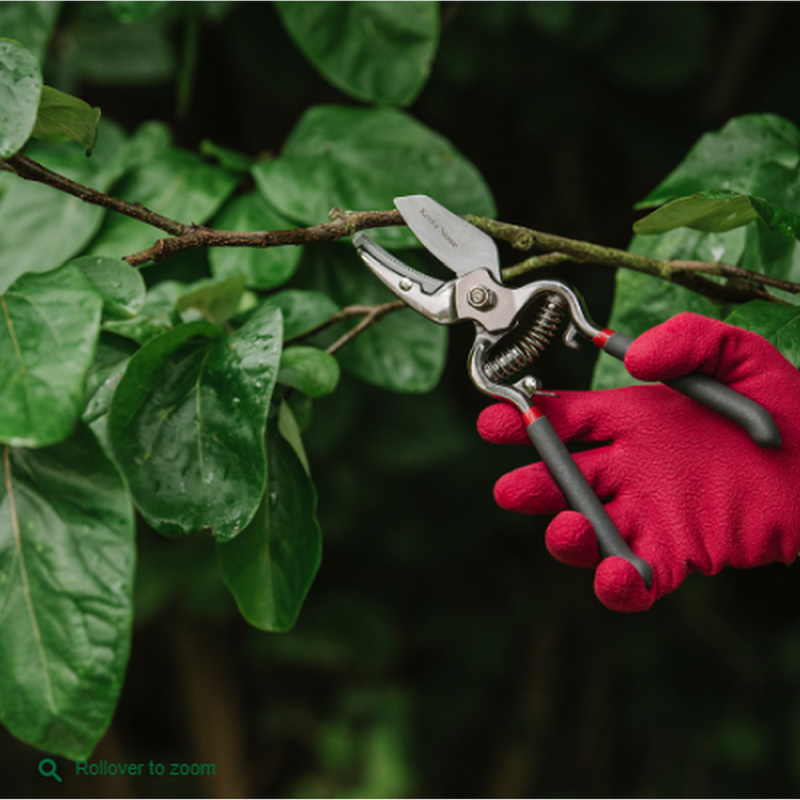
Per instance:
x=62, y=118
x=134, y=11
x=48, y=333
x=712, y=211
x=643, y=301
x=289, y=428
x=41, y=228
x=151, y=140
x=777, y=218
x=780, y=325
x=270, y=565
x=215, y=300
x=404, y=352
x=119, y=284
x=159, y=314
x=756, y=156
x=228, y=158
x=176, y=184
x=29, y=23
x=361, y=159
x=264, y=268
x=67, y=557
x=717, y=211
x=374, y=51
x=310, y=370
x=187, y=424
x=20, y=88
x=102, y=379
x=303, y=311
x=99, y=49
x=731, y=158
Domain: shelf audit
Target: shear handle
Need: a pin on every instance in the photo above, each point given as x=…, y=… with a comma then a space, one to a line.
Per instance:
x=579, y=493
x=751, y=416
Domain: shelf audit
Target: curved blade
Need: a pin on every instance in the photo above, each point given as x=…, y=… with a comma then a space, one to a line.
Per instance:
x=457, y=244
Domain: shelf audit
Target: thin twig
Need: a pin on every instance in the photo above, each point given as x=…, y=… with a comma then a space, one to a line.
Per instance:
x=533, y=263
x=372, y=314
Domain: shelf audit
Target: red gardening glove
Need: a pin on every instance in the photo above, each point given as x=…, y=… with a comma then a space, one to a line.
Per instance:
x=687, y=489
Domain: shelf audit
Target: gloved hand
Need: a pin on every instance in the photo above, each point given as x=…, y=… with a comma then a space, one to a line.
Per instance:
x=687, y=489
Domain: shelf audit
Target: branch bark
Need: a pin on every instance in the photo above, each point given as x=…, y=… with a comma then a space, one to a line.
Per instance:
x=743, y=284
x=747, y=285
x=343, y=223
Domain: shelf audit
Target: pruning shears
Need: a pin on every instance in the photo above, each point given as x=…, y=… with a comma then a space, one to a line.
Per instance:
x=512, y=328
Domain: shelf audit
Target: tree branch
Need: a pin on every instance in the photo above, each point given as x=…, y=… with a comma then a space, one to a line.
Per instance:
x=32, y=170
x=343, y=223
x=747, y=285
x=743, y=284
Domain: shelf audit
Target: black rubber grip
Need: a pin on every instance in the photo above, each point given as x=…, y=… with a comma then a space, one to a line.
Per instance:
x=751, y=416
x=581, y=497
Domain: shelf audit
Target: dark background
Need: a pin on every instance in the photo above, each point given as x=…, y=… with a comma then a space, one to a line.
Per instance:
x=442, y=652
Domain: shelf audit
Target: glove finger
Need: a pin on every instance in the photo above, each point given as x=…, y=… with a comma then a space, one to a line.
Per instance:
x=502, y=424
x=576, y=416
x=693, y=343
x=570, y=539
x=532, y=490
x=619, y=586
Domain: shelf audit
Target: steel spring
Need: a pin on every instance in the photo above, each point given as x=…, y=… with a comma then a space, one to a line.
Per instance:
x=530, y=345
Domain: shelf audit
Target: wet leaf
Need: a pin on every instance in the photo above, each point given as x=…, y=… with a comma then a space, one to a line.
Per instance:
x=361, y=159
x=20, y=88
x=67, y=557
x=27, y=209
x=302, y=310
x=48, y=333
x=779, y=324
x=731, y=158
x=777, y=218
x=102, y=379
x=187, y=424
x=643, y=301
x=264, y=267
x=158, y=314
x=215, y=300
x=270, y=566
x=310, y=370
x=119, y=284
x=177, y=184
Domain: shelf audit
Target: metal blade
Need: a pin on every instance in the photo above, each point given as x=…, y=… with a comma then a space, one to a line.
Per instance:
x=457, y=244
x=432, y=298
x=365, y=245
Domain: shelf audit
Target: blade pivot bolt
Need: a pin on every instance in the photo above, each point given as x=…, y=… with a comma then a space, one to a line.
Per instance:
x=481, y=298
x=405, y=284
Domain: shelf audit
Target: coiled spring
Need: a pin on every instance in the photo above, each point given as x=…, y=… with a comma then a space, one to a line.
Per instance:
x=530, y=345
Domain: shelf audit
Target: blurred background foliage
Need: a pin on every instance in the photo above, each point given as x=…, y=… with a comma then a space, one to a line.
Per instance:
x=441, y=651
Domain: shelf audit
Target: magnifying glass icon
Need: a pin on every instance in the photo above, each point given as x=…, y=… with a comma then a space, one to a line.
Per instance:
x=47, y=767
